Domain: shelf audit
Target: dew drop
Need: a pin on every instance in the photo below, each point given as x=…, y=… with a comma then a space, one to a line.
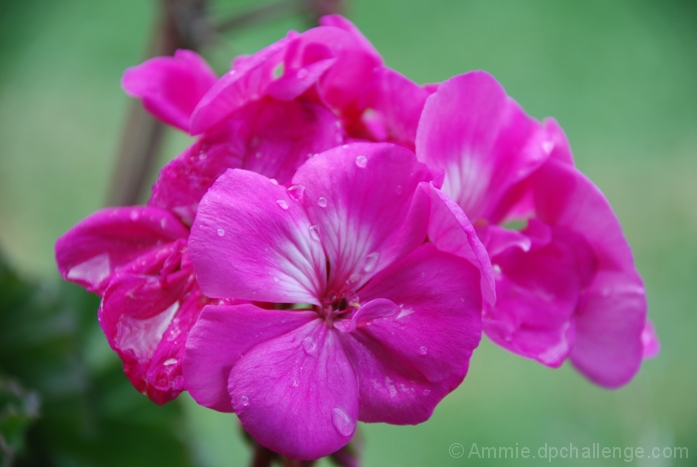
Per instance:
x=426, y=392
x=371, y=261
x=399, y=190
x=273, y=181
x=342, y=422
x=310, y=346
x=296, y=192
x=295, y=383
x=353, y=278
x=275, y=279
x=282, y=203
x=134, y=215
x=322, y=202
x=302, y=73
x=202, y=156
x=496, y=268
x=361, y=161
x=170, y=362
x=221, y=232
x=244, y=401
x=423, y=350
x=314, y=232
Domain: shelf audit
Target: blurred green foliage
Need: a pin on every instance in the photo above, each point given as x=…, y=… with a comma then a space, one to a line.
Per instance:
x=620, y=76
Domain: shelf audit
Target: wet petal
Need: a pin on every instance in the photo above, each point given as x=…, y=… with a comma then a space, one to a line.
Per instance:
x=297, y=394
x=252, y=241
x=90, y=252
x=221, y=335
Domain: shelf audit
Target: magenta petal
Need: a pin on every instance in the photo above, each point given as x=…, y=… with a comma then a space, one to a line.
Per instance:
x=340, y=22
x=252, y=241
x=170, y=87
x=414, y=335
x=481, y=137
x=90, y=252
x=221, y=335
x=612, y=311
x=359, y=198
x=451, y=231
x=649, y=338
x=297, y=394
x=269, y=137
x=392, y=105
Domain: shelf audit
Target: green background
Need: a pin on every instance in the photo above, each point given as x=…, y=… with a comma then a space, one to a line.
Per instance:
x=619, y=75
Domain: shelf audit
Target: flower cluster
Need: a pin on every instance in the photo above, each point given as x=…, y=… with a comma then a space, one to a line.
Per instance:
x=334, y=242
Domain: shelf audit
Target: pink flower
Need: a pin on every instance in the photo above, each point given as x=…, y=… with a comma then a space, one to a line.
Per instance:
x=136, y=259
x=566, y=284
x=372, y=322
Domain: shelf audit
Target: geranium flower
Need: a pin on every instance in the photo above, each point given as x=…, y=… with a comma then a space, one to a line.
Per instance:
x=373, y=322
x=566, y=284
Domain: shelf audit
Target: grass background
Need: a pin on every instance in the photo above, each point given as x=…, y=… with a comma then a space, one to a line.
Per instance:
x=619, y=75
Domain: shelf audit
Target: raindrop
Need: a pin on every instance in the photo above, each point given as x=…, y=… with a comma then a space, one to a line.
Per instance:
x=314, y=232
x=203, y=156
x=371, y=261
x=283, y=203
x=134, y=215
x=302, y=73
x=296, y=192
x=361, y=161
x=342, y=422
x=244, y=401
x=496, y=268
x=273, y=181
x=310, y=346
x=295, y=383
x=275, y=279
x=322, y=202
x=426, y=392
x=221, y=232
x=423, y=350
x=170, y=362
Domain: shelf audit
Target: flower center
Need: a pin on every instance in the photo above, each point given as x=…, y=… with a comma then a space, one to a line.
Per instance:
x=337, y=306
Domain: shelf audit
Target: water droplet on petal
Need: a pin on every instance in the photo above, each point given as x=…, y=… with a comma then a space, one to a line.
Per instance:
x=353, y=278
x=322, y=202
x=496, y=268
x=310, y=346
x=296, y=192
x=283, y=203
x=426, y=392
x=423, y=350
x=314, y=232
x=295, y=383
x=221, y=232
x=273, y=181
x=371, y=261
x=399, y=190
x=275, y=279
x=361, y=161
x=302, y=73
x=342, y=422
x=170, y=362
x=134, y=215
x=405, y=312
x=244, y=401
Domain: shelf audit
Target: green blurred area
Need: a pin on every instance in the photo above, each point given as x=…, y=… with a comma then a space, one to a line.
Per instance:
x=621, y=78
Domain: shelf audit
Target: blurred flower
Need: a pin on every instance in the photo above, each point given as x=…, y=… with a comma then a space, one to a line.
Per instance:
x=373, y=324
x=566, y=284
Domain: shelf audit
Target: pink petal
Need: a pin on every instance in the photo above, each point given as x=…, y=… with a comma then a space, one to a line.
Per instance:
x=220, y=336
x=252, y=241
x=269, y=137
x=412, y=339
x=612, y=312
x=451, y=231
x=90, y=252
x=649, y=338
x=481, y=137
x=358, y=198
x=170, y=87
x=391, y=106
x=340, y=22
x=297, y=394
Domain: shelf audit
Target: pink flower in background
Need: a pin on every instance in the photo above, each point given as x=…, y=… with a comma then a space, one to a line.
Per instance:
x=375, y=324
x=566, y=284
x=136, y=259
